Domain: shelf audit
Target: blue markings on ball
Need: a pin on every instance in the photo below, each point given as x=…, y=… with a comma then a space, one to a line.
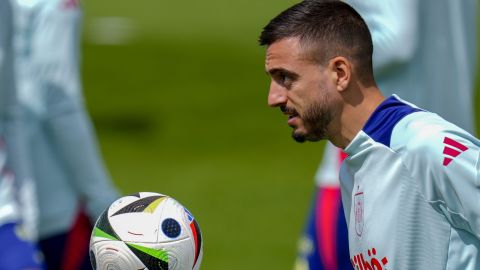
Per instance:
x=171, y=228
x=190, y=216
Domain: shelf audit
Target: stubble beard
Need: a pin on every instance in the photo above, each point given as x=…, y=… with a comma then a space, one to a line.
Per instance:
x=316, y=120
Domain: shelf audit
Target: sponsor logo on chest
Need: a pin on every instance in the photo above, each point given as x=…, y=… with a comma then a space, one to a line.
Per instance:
x=361, y=262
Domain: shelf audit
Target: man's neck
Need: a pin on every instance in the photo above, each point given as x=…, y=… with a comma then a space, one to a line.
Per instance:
x=358, y=107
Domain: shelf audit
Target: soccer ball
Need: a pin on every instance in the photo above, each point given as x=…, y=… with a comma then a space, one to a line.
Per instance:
x=147, y=231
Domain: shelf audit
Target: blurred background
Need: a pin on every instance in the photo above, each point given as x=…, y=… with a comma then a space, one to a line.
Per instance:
x=177, y=92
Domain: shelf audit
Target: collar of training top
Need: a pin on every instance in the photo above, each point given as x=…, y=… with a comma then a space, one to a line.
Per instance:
x=381, y=123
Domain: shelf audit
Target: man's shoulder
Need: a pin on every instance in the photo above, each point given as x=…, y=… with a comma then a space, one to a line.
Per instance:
x=425, y=134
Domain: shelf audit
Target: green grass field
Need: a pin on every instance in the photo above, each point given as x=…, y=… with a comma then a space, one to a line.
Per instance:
x=180, y=108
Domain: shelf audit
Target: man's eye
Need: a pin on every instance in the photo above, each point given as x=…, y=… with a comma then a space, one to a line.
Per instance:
x=285, y=79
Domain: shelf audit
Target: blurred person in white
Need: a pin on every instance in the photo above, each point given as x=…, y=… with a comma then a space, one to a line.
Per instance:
x=424, y=51
x=59, y=151
x=16, y=251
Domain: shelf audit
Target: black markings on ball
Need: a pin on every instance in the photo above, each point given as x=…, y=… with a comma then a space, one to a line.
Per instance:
x=103, y=224
x=93, y=261
x=152, y=263
x=171, y=228
x=135, y=195
x=138, y=205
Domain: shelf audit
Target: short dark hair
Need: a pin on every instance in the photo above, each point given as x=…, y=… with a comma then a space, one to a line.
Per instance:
x=330, y=27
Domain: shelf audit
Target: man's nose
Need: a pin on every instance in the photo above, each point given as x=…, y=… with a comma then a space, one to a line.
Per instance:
x=277, y=95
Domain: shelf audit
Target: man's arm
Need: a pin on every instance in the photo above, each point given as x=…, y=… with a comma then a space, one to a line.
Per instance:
x=445, y=161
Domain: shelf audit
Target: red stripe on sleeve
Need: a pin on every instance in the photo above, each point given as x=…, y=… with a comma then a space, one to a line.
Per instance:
x=450, y=151
x=454, y=143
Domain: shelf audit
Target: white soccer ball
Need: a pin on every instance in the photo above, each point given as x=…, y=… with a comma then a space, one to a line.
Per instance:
x=147, y=231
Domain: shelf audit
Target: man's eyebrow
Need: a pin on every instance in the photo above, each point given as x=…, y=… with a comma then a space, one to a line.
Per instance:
x=274, y=71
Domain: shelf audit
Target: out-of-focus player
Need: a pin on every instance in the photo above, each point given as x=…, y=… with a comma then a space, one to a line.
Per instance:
x=16, y=251
x=425, y=52
x=410, y=182
x=60, y=154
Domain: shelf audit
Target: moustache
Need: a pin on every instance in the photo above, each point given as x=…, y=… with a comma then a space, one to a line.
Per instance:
x=288, y=111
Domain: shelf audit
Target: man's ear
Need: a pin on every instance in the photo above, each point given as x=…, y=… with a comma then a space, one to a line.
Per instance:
x=341, y=68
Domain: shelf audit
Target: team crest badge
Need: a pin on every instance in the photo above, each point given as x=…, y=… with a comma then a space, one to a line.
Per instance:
x=358, y=200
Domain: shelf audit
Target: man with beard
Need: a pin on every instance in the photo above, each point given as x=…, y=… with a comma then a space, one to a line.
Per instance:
x=410, y=184
x=438, y=42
